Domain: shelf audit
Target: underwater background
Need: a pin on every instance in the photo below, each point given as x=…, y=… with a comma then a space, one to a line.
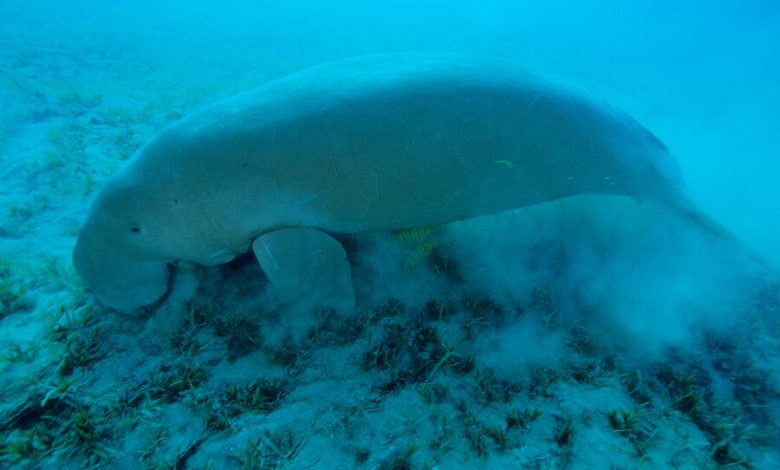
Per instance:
x=592, y=332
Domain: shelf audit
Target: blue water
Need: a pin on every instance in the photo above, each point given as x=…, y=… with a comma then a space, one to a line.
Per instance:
x=638, y=341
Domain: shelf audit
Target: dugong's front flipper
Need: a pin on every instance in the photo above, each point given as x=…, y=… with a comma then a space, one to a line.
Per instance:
x=306, y=263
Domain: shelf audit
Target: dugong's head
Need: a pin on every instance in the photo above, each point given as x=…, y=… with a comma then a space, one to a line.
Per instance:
x=119, y=253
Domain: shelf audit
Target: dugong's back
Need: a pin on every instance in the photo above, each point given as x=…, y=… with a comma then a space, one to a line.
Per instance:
x=399, y=140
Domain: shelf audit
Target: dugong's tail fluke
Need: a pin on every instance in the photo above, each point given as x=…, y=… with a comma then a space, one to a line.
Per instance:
x=688, y=212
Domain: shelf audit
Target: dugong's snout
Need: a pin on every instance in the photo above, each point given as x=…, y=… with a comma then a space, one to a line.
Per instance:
x=119, y=281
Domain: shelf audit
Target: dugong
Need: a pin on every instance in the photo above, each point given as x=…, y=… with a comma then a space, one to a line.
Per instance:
x=383, y=142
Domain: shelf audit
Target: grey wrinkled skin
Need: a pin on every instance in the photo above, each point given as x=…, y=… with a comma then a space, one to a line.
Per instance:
x=371, y=143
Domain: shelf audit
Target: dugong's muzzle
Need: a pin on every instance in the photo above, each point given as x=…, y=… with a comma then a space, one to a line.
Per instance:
x=117, y=280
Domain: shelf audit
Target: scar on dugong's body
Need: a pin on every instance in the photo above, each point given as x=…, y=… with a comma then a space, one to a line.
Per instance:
x=372, y=143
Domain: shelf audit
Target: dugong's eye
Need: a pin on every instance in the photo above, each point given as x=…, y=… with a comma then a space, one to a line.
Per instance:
x=135, y=229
